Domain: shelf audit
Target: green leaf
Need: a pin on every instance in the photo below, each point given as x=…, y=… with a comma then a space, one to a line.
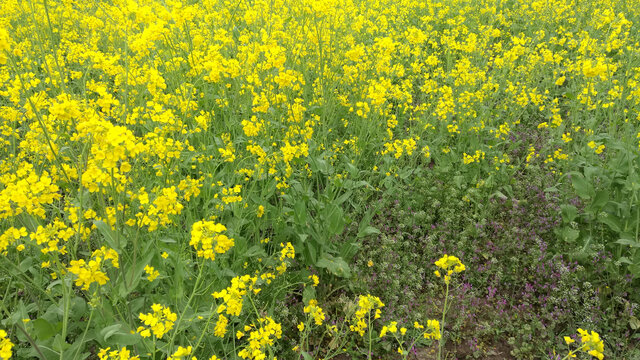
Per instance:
x=335, y=265
x=611, y=220
x=335, y=219
x=310, y=253
x=300, y=212
x=499, y=195
x=569, y=235
x=569, y=213
x=349, y=250
x=59, y=344
x=126, y=339
x=78, y=308
x=133, y=276
x=43, y=329
x=600, y=200
x=107, y=332
x=306, y=356
x=308, y=293
x=624, y=260
x=369, y=230
x=344, y=197
x=109, y=235
x=581, y=186
x=254, y=251
x=628, y=242
x=25, y=265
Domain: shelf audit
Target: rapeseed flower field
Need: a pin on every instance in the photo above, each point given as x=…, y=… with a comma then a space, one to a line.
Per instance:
x=217, y=179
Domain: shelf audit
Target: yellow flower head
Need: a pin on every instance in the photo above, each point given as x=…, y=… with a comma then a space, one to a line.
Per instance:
x=450, y=264
x=159, y=322
x=5, y=346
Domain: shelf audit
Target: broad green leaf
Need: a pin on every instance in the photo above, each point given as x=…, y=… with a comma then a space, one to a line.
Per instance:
x=628, y=242
x=300, y=212
x=127, y=339
x=308, y=293
x=310, y=253
x=108, y=331
x=335, y=219
x=569, y=235
x=369, y=230
x=600, y=200
x=43, y=329
x=610, y=220
x=256, y=251
x=59, y=344
x=624, y=260
x=569, y=213
x=334, y=265
x=110, y=235
x=581, y=186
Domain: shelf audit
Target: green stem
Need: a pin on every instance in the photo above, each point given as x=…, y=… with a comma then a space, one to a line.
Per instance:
x=28, y=280
x=193, y=292
x=573, y=352
x=444, y=311
x=86, y=329
x=65, y=319
x=206, y=327
x=370, y=328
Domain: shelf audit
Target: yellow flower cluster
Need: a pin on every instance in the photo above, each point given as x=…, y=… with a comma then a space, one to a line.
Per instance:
x=159, y=322
x=468, y=159
x=592, y=343
x=26, y=191
x=181, y=353
x=260, y=338
x=315, y=311
x=287, y=252
x=207, y=239
x=91, y=272
x=450, y=264
x=392, y=328
x=9, y=236
x=158, y=213
x=5, y=45
x=366, y=303
x=432, y=330
x=51, y=235
x=400, y=147
x=152, y=273
x=598, y=149
x=230, y=195
x=122, y=354
x=233, y=295
x=221, y=326
x=5, y=344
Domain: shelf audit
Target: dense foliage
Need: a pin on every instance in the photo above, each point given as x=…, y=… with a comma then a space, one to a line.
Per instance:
x=258, y=179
